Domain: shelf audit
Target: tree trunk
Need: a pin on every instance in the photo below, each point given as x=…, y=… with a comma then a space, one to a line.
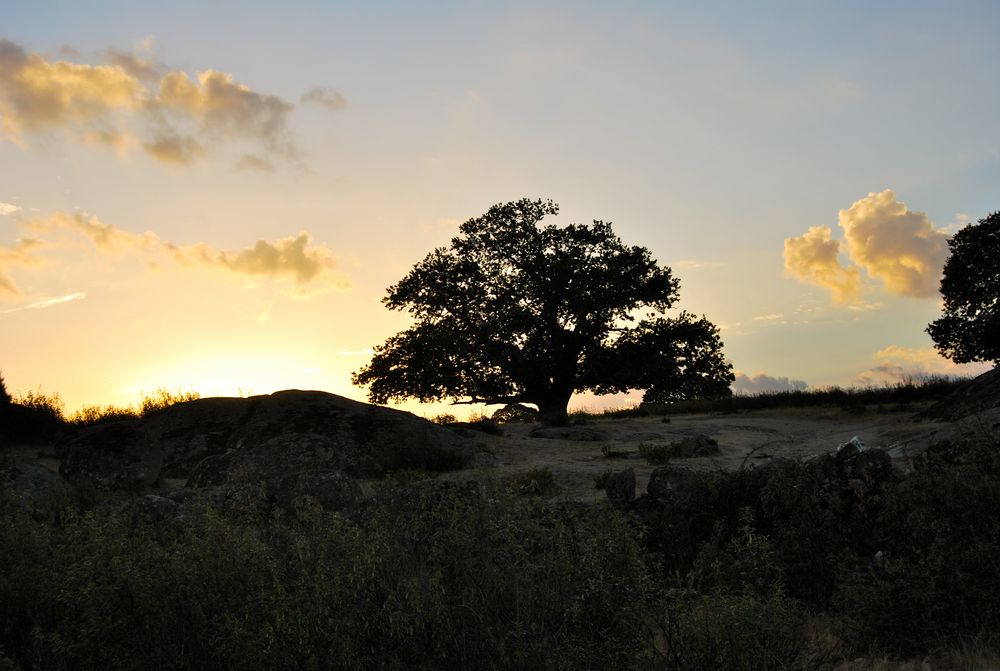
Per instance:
x=552, y=409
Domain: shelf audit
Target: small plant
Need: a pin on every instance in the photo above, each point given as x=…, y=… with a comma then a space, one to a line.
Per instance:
x=601, y=480
x=610, y=452
x=536, y=482
x=657, y=454
x=444, y=418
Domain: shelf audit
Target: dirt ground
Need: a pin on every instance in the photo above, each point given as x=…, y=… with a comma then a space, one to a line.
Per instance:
x=745, y=438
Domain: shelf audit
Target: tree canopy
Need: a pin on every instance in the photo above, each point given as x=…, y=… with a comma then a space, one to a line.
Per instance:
x=969, y=327
x=515, y=312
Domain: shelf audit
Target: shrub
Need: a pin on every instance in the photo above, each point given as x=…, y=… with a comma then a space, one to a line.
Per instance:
x=536, y=482
x=737, y=633
x=515, y=413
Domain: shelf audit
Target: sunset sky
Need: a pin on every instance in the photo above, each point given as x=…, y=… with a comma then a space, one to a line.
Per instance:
x=214, y=196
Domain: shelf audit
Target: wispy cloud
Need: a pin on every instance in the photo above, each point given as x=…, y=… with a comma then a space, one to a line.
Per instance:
x=896, y=364
x=130, y=99
x=769, y=318
x=8, y=208
x=324, y=97
x=22, y=253
x=900, y=248
x=689, y=264
x=50, y=302
x=297, y=258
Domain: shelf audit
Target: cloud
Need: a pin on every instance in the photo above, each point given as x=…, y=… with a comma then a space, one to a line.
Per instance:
x=7, y=208
x=106, y=237
x=36, y=95
x=898, y=364
x=812, y=257
x=21, y=254
x=900, y=248
x=762, y=382
x=220, y=108
x=689, y=264
x=49, y=302
x=289, y=257
x=130, y=99
x=330, y=99
x=893, y=244
x=295, y=258
x=769, y=318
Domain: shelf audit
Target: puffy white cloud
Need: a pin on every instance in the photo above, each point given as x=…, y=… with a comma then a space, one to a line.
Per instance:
x=897, y=364
x=813, y=257
x=130, y=99
x=762, y=382
x=900, y=248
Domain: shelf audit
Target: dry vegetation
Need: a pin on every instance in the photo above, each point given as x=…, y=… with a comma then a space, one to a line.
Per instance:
x=781, y=563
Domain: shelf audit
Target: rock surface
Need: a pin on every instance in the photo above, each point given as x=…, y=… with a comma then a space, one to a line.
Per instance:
x=114, y=456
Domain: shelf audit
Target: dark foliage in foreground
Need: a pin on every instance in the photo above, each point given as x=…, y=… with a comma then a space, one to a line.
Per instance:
x=720, y=570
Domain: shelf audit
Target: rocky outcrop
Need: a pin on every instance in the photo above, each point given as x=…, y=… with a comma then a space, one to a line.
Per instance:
x=115, y=456
x=976, y=396
x=311, y=435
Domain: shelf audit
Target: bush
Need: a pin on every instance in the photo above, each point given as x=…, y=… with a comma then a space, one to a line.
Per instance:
x=737, y=633
x=515, y=413
x=427, y=576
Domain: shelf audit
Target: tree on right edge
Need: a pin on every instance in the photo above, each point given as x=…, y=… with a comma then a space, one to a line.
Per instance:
x=969, y=328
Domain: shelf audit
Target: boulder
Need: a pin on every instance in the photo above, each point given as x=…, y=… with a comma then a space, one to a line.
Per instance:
x=698, y=445
x=114, y=456
x=190, y=431
x=620, y=487
x=367, y=440
x=663, y=480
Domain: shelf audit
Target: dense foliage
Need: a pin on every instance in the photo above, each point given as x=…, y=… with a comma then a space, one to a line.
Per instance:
x=515, y=312
x=969, y=328
x=789, y=566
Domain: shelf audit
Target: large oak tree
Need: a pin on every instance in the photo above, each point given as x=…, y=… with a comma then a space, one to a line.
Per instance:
x=516, y=312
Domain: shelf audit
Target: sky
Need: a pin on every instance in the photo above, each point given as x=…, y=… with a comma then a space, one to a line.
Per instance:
x=214, y=196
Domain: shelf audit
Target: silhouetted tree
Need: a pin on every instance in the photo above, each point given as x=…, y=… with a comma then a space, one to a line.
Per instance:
x=969, y=328
x=515, y=312
x=5, y=398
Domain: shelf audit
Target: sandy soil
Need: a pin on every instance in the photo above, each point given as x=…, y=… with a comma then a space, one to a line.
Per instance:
x=744, y=438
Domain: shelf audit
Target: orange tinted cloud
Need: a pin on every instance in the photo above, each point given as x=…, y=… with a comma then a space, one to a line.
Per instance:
x=295, y=258
x=813, y=257
x=897, y=364
x=900, y=248
x=176, y=119
x=22, y=253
